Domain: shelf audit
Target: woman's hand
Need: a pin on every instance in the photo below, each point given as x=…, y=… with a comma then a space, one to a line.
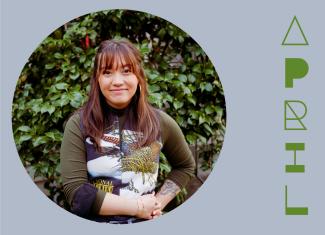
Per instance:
x=148, y=207
x=157, y=212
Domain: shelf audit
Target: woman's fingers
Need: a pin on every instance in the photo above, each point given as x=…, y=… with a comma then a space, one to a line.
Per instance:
x=151, y=206
x=156, y=214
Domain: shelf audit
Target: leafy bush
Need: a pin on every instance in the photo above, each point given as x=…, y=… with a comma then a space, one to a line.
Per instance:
x=55, y=81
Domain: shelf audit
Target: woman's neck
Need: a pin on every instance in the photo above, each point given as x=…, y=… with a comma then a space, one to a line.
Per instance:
x=118, y=112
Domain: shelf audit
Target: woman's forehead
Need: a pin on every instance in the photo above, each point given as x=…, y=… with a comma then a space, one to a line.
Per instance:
x=115, y=60
x=115, y=63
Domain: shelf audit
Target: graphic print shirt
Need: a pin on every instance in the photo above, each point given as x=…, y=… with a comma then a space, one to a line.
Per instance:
x=120, y=168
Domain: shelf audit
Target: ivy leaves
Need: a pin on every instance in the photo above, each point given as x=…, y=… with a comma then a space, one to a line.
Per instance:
x=55, y=82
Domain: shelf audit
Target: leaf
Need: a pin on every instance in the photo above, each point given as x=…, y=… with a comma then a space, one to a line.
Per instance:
x=196, y=68
x=187, y=91
x=47, y=108
x=50, y=66
x=202, y=86
x=169, y=76
x=208, y=128
x=76, y=95
x=144, y=49
x=191, y=138
x=208, y=87
x=63, y=101
x=219, y=114
x=58, y=168
x=178, y=104
x=24, y=128
x=180, y=120
x=24, y=138
x=84, y=77
x=75, y=104
x=202, y=139
x=180, y=39
x=74, y=76
x=167, y=97
x=182, y=78
x=82, y=59
x=161, y=33
x=191, y=78
x=39, y=140
x=209, y=110
x=52, y=90
x=61, y=86
x=54, y=135
x=183, y=68
x=189, y=121
x=153, y=88
x=152, y=75
x=192, y=100
x=208, y=71
x=36, y=105
x=165, y=167
x=57, y=55
x=194, y=114
x=201, y=120
x=155, y=98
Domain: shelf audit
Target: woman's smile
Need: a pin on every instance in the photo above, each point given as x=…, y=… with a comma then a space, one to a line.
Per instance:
x=118, y=90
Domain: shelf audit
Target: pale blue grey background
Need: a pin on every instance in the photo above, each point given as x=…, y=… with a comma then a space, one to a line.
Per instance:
x=245, y=192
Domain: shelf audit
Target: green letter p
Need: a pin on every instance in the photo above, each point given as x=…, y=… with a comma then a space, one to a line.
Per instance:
x=295, y=68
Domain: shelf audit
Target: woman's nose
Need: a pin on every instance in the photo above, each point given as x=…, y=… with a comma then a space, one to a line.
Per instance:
x=117, y=79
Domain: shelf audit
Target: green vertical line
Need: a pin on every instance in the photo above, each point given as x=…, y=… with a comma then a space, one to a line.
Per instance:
x=286, y=197
x=285, y=112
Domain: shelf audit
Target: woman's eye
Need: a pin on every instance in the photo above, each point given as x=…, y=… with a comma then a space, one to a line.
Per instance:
x=107, y=72
x=126, y=70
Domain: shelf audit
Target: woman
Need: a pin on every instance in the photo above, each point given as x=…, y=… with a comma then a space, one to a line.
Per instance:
x=111, y=146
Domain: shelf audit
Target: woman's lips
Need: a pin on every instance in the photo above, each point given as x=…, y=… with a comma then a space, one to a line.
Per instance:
x=118, y=91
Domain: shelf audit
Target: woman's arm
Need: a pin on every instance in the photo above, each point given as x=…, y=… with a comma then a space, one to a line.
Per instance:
x=82, y=196
x=141, y=207
x=167, y=192
x=178, y=155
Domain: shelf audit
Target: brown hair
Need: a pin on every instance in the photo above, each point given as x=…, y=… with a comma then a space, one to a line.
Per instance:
x=112, y=53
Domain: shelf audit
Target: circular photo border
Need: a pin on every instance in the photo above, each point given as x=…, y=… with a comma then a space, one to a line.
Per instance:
x=55, y=82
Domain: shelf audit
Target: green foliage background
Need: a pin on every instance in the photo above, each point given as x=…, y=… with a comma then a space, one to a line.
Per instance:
x=55, y=81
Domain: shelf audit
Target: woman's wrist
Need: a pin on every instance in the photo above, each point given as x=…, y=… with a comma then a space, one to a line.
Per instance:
x=140, y=207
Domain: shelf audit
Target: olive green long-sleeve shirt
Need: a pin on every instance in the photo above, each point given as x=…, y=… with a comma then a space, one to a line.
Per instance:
x=74, y=164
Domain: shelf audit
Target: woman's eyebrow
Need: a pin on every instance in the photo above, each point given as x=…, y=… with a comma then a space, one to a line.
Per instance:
x=126, y=66
x=106, y=68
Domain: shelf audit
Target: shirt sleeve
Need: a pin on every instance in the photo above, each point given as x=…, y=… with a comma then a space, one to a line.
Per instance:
x=82, y=196
x=176, y=151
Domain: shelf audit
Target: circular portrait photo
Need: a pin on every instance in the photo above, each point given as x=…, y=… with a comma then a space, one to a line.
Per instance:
x=119, y=116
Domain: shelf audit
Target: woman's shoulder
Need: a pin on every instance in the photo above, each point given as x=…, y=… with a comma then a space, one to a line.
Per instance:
x=73, y=121
x=168, y=125
x=165, y=118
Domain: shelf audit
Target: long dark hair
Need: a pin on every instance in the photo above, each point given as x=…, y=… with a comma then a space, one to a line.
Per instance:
x=94, y=115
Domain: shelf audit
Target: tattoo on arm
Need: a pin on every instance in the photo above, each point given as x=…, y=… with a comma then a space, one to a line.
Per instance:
x=169, y=188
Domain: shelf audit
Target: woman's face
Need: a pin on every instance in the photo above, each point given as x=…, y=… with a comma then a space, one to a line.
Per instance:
x=118, y=86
